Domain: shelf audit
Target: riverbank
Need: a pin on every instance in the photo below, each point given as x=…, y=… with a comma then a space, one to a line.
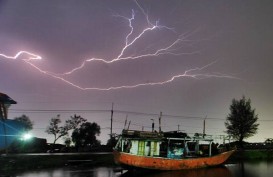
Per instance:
x=22, y=162
x=251, y=155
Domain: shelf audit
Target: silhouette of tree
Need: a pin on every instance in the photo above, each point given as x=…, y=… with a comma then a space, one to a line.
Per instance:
x=55, y=129
x=112, y=141
x=67, y=141
x=74, y=122
x=241, y=121
x=27, y=123
x=85, y=136
x=58, y=131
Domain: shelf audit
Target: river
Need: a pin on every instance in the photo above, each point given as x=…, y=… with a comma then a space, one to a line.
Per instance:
x=246, y=169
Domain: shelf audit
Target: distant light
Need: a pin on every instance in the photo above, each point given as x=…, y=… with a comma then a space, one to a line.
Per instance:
x=26, y=136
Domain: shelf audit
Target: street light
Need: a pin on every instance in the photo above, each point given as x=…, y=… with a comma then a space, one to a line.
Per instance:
x=26, y=136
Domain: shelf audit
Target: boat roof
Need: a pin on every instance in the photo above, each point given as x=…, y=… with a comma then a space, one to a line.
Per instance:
x=142, y=134
x=171, y=135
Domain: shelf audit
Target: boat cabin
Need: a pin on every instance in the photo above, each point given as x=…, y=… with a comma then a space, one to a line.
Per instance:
x=173, y=145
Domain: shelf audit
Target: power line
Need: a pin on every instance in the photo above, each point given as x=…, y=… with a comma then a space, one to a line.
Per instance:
x=56, y=111
x=118, y=112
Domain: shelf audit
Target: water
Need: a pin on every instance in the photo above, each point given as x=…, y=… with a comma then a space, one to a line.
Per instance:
x=246, y=169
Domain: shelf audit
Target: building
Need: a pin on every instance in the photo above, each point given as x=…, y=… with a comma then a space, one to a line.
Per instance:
x=9, y=129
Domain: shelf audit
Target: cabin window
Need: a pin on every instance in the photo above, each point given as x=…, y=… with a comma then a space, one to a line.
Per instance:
x=127, y=146
x=155, y=149
x=175, y=150
x=163, y=149
x=141, y=148
x=134, y=148
x=191, y=148
x=148, y=150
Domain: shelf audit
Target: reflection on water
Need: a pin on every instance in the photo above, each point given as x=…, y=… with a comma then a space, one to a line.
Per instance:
x=254, y=169
x=259, y=169
x=67, y=172
x=204, y=172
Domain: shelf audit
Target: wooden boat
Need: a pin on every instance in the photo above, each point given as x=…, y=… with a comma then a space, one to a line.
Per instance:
x=167, y=151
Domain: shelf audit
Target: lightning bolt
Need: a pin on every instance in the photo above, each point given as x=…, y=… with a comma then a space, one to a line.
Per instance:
x=185, y=74
x=167, y=50
x=32, y=56
x=170, y=49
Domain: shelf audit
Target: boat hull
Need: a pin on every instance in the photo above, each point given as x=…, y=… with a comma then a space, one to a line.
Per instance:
x=160, y=163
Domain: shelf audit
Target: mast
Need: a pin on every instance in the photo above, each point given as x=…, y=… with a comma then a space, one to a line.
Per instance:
x=129, y=125
x=204, y=127
x=153, y=125
x=125, y=123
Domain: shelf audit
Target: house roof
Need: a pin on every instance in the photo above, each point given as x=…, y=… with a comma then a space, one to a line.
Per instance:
x=6, y=99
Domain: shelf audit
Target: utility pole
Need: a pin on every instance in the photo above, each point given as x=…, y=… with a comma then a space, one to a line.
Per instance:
x=159, y=122
x=178, y=127
x=112, y=112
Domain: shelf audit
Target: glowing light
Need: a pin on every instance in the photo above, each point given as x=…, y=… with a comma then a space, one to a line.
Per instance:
x=27, y=136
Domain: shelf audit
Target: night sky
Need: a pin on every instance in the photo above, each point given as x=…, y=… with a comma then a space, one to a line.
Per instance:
x=233, y=39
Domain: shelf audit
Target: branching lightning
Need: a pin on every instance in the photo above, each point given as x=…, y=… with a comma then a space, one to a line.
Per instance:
x=188, y=73
x=32, y=56
x=170, y=49
x=167, y=50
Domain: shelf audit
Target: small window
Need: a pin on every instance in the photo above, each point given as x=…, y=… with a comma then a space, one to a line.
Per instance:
x=141, y=148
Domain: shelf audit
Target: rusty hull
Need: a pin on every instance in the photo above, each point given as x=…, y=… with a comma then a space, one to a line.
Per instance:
x=160, y=163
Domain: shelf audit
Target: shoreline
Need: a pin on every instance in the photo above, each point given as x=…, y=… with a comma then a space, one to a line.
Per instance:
x=24, y=162
x=251, y=155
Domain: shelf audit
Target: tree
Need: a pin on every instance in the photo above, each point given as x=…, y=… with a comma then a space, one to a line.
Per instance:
x=55, y=129
x=74, y=122
x=67, y=141
x=85, y=136
x=60, y=131
x=112, y=141
x=25, y=121
x=241, y=121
